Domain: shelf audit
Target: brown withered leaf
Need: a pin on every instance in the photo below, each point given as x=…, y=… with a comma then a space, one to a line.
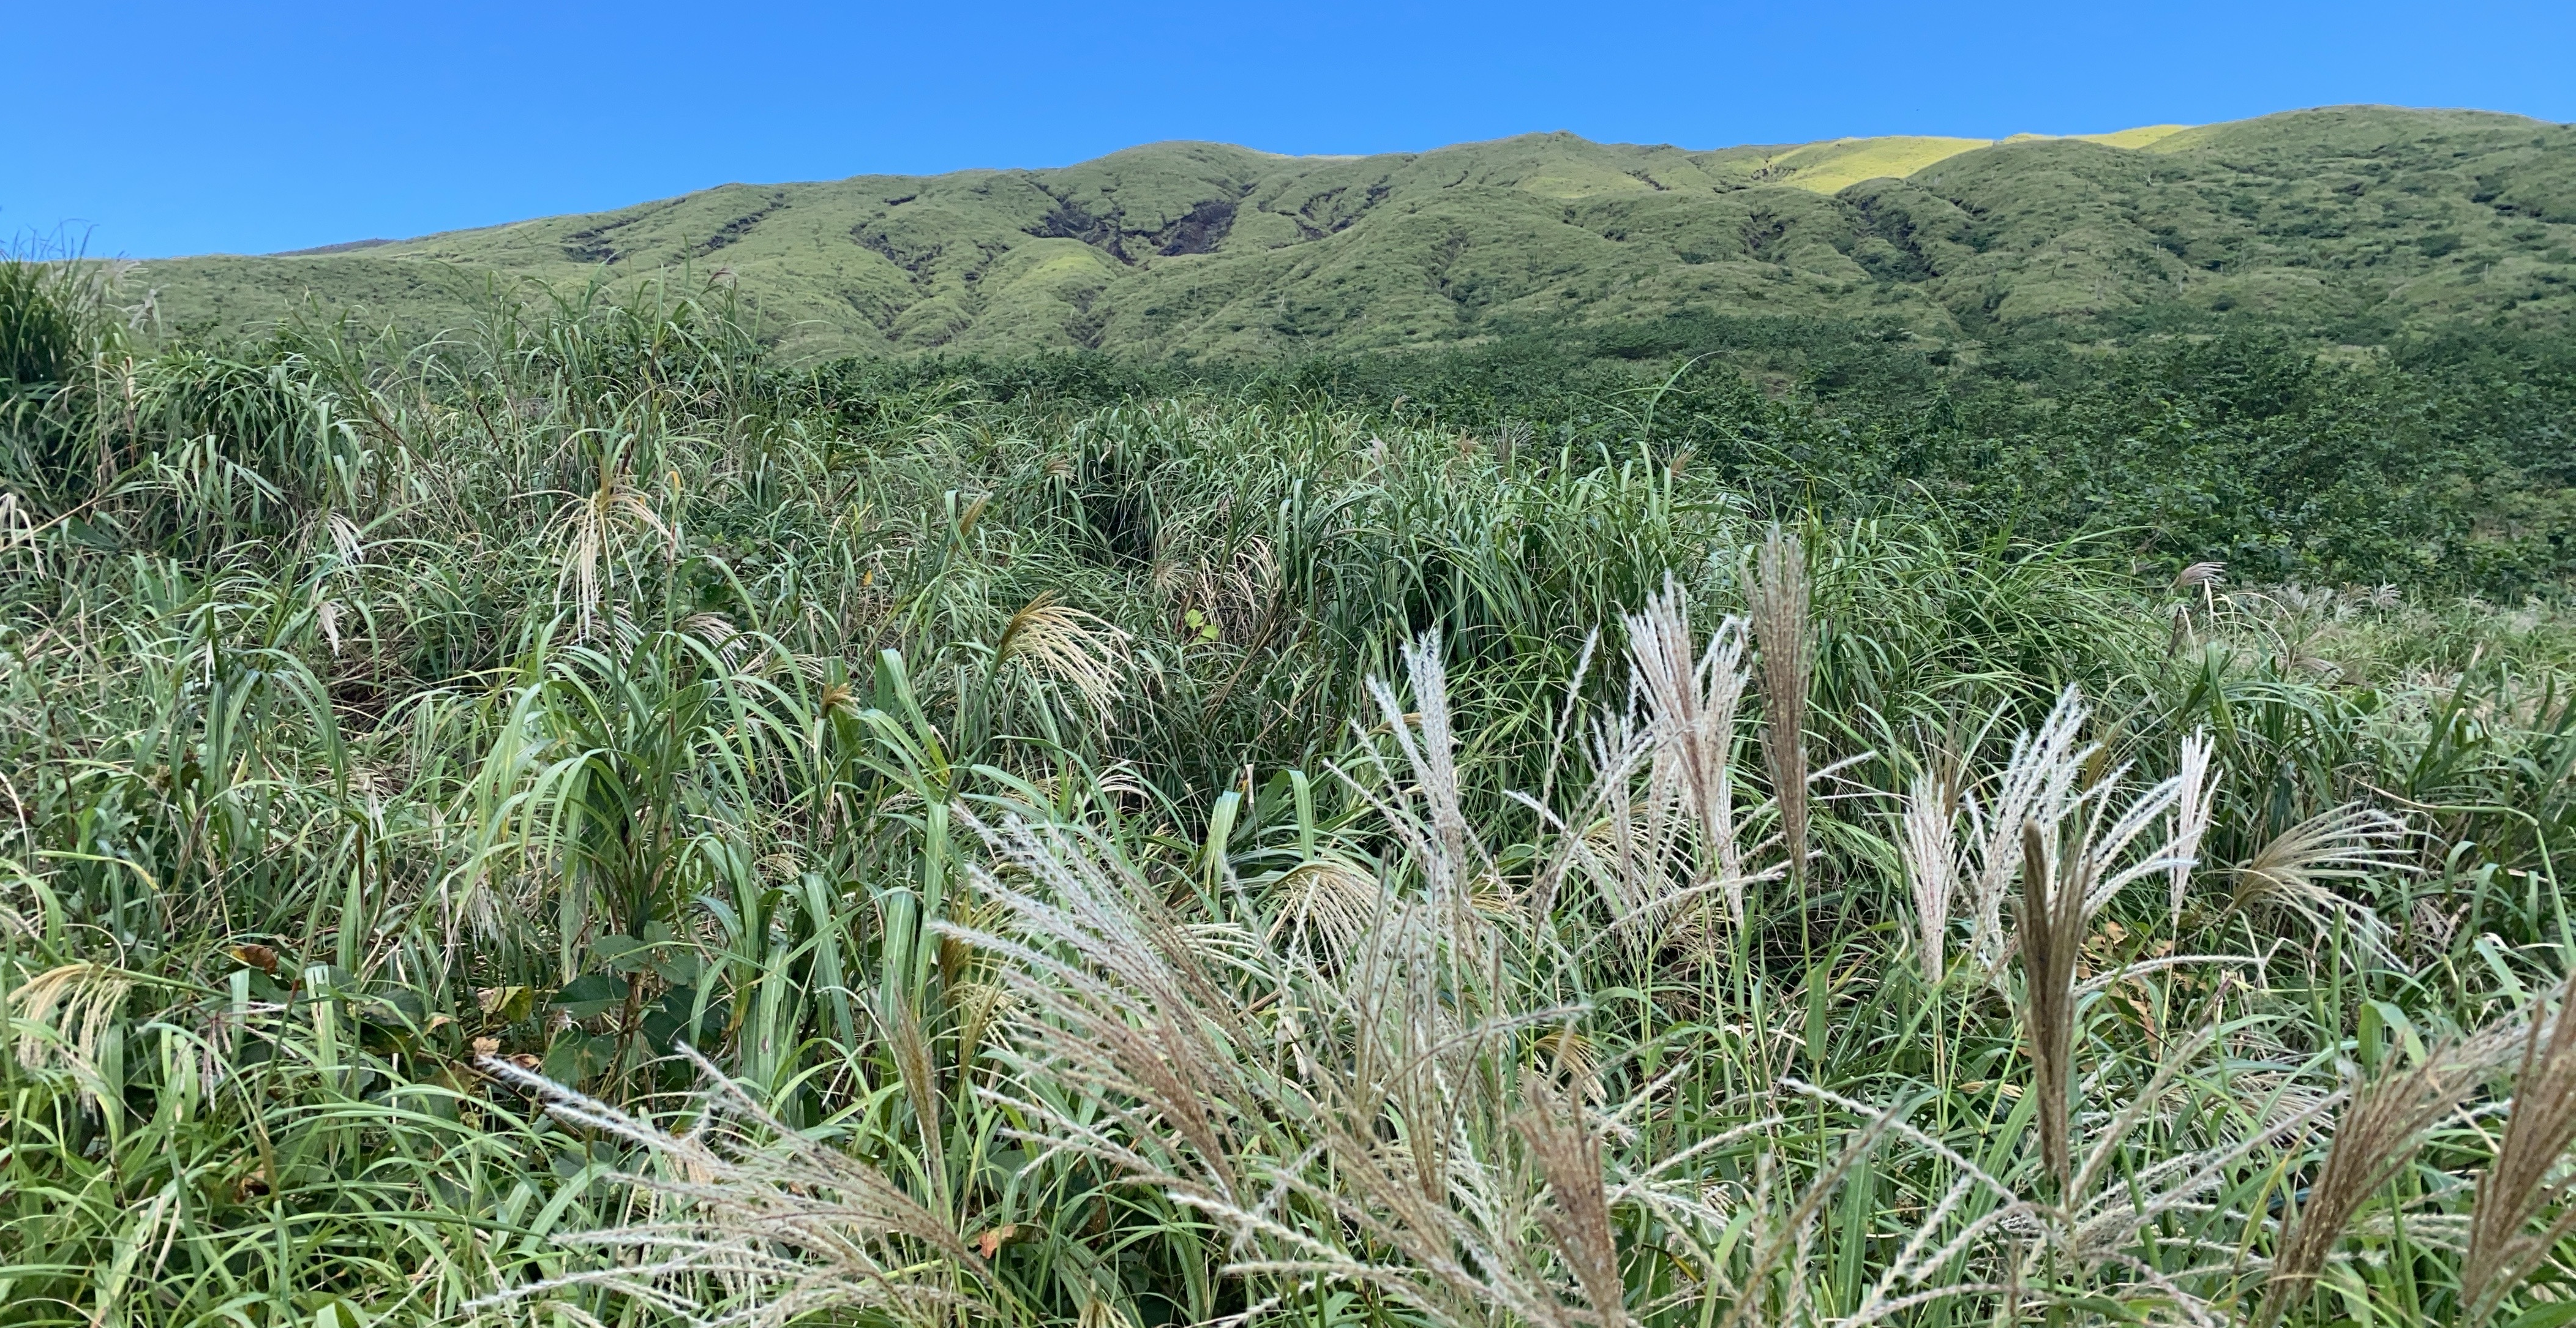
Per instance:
x=1009, y=1233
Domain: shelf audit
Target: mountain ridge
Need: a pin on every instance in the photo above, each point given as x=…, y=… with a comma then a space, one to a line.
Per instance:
x=2343, y=217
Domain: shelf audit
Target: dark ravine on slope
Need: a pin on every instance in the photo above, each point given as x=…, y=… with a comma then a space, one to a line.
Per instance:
x=2349, y=223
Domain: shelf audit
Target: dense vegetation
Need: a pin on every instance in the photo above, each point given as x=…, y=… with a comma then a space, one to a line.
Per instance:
x=2441, y=460
x=2351, y=223
x=575, y=822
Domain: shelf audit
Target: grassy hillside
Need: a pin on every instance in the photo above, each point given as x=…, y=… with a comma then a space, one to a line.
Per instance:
x=2350, y=222
x=576, y=825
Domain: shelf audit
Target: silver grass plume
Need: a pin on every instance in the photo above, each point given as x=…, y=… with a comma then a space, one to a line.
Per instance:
x=2192, y=805
x=1776, y=600
x=2386, y=1114
x=2036, y=785
x=2294, y=870
x=1126, y=1004
x=778, y=1225
x=2044, y=783
x=2523, y=1181
x=1353, y=1126
x=1691, y=706
x=1447, y=862
x=2076, y=856
x=587, y=526
x=1929, y=845
x=1565, y=1146
x=2051, y=932
x=64, y=1016
x=1081, y=650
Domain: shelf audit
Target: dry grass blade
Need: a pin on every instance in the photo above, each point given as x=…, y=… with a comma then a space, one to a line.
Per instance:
x=64, y=1016
x=1081, y=650
x=753, y=1224
x=2295, y=868
x=588, y=527
x=2375, y=1135
x=1323, y=908
x=2519, y=1186
x=1777, y=603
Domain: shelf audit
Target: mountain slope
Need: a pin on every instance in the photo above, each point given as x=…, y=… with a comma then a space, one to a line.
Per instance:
x=2343, y=218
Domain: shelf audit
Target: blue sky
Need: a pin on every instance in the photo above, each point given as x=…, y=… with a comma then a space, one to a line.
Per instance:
x=157, y=129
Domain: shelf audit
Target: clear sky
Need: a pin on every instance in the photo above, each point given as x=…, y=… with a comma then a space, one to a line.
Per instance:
x=151, y=129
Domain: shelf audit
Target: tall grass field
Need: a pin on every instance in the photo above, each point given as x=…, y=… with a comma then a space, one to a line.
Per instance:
x=576, y=822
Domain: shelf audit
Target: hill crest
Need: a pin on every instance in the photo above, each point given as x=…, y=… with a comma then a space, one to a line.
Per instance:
x=1209, y=249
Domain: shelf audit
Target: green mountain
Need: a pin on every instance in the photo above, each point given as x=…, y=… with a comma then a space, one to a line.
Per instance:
x=2350, y=221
